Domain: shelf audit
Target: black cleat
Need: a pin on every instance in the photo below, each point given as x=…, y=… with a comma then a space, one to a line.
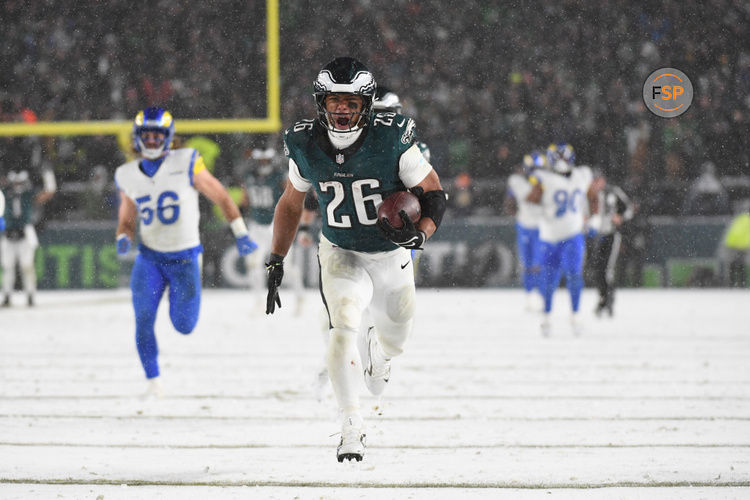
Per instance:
x=349, y=457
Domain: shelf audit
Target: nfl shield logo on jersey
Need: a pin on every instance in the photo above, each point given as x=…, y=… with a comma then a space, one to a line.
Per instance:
x=339, y=158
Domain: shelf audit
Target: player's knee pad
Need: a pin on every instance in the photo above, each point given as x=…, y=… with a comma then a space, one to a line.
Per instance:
x=346, y=313
x=400, y=304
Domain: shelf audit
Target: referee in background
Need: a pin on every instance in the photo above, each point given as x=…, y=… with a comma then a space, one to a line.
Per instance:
x=615, y=208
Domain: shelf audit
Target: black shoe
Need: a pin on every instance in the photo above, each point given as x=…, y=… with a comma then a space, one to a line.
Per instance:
x=599, y=309
x=31, y=300
x=6, y=301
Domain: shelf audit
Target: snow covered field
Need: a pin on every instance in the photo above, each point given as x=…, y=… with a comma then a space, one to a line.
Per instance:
x=654, y=403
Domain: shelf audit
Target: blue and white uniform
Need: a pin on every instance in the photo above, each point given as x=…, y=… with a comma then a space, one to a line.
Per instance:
x=564, y=209
x=527, y=229
x=170, y=248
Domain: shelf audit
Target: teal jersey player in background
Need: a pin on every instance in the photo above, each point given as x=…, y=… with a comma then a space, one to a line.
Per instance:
x=263, y=185
x=353, y=159
x=18, y=243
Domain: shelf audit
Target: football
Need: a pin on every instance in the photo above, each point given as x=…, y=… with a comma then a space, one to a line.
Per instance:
x=394, y=203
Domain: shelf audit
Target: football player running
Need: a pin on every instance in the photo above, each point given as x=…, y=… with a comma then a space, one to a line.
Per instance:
x=527, y=216
x=385, y=101
x=565, y=193
x=160, y=189
x=353, y=160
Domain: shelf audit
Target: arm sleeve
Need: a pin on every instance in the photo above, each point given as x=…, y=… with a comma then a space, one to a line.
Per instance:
x=413, y=167
x=295, y=177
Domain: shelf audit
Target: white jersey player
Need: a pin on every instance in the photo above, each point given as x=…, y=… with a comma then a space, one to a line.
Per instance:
x=527, y=216
x=564, y=193
x=161, y=189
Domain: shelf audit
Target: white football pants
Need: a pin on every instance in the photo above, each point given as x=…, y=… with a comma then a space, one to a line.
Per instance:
x=351, y=282
x=21, y=252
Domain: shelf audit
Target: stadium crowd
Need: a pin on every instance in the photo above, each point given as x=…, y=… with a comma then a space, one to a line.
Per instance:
x=486, y=83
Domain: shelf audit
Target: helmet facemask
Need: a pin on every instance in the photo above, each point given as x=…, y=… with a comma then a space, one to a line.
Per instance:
x=344, y=113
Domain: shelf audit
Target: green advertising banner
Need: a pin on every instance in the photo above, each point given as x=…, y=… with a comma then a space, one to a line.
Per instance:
x=471, y=252
x=78, y=258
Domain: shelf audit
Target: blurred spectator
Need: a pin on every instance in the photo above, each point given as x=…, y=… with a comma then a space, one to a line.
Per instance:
x=706, y=195
x=668, y=193
x=99, y=195
x=490, y=84
x=461, y=199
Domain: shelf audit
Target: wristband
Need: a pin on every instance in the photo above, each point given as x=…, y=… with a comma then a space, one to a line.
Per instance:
x=276, y=258
x=238, y=227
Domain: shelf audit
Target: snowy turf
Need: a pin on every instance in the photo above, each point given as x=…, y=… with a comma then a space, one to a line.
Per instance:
x=654, y=403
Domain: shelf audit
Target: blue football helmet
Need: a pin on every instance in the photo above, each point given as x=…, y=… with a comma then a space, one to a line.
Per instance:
x=153, y=120
x=533, y=161
x=561, y=157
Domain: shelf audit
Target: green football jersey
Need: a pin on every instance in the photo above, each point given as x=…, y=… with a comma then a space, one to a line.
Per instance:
x=264, y=191
x=351, y=183
x=19, y=206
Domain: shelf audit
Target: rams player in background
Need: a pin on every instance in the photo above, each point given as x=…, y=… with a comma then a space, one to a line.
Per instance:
x=565, y=194
x=160, y=190
x=527, y=216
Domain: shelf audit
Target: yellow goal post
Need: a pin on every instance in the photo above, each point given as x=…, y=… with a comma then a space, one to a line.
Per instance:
x=123, y=128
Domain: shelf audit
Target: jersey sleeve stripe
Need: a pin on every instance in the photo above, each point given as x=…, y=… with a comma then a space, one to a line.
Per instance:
x=197, y=165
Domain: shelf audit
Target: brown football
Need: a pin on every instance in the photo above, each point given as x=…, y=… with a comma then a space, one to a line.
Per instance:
x=394, y=203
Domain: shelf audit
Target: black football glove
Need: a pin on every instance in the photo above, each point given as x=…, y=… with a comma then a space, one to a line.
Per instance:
x=275, y=269
x=407, y=236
